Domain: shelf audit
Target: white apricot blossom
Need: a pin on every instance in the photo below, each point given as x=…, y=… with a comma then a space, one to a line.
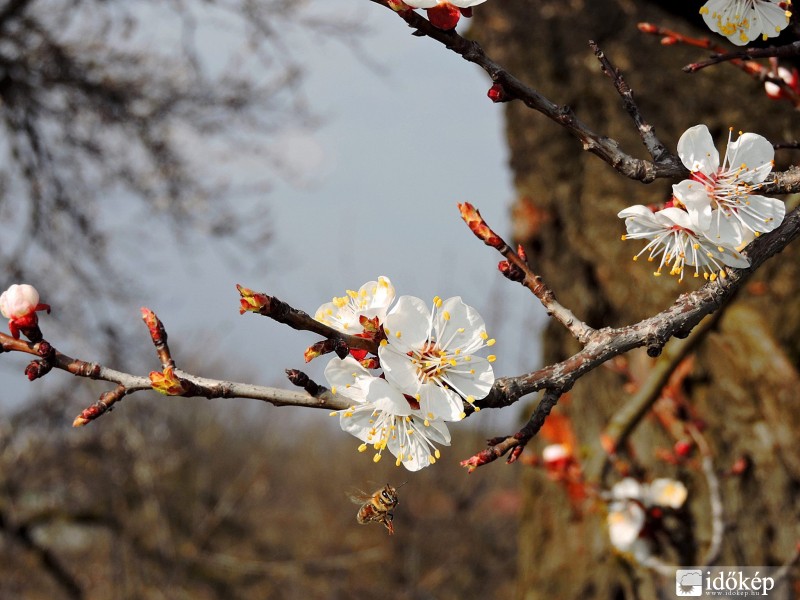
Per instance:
x=721, y=198
x=429, y=354
x=628, y=501
x=742, y=21
x=371, y=300
x=666, y=492
x=625, y=521
x=674, y=243
x=381, y=416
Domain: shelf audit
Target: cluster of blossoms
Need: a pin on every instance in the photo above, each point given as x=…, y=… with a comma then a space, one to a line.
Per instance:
x=742, y=21
x=713, y=215
x=443, y=14
x=429, y=369
x=633, y=506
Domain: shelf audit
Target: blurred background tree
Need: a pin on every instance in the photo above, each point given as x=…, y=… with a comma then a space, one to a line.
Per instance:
x=112, y=111
x=744, y=382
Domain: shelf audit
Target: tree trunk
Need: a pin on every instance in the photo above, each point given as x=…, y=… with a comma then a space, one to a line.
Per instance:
x=744, y=381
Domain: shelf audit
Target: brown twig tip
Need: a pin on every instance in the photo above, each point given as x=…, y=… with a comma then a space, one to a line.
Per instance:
x=510, y=271
x=300, y=379
x=472, y=217
x=481, y=458
x=99, y=408
x=37, y=369
x=497, y=447
x=40, y=368
x=336, y=344
x=157, y=332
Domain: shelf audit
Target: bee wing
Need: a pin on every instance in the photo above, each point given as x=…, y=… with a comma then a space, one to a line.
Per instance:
x=358, y=496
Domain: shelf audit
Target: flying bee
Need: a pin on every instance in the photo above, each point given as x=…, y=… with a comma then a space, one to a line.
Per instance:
x=377, y=507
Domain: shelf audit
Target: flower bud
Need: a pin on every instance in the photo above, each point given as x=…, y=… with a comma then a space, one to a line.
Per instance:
x=18, y=301
x=19, y=304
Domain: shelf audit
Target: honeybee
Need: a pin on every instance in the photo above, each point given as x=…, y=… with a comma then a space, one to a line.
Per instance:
x=377, y=507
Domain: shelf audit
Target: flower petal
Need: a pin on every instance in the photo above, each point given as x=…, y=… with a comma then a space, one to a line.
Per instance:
x=474, y=378
x=752, y=153
x=422, y=3
x=697, y=152
x=458, y=325
x=408, y=324
x=436, y=402
x=694, y=196
x=399, y=369
x=348, y=378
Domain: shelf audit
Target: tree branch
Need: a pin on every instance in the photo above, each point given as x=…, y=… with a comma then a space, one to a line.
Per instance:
x=600, y=145
x=676, y=321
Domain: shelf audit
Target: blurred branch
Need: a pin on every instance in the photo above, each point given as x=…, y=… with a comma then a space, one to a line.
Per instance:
x=21, y=533
x=625, y=420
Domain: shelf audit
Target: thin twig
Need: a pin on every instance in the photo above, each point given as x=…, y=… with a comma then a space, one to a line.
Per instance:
x=602, y=146
x=499, y=446
x=517, y=269
x=646, y=131
x=280, y=311
x=788, y=51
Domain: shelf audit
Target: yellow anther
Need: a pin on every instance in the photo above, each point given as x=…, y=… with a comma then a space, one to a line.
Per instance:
x=491, y=358
x=446, y=316
x=362, y=448
x=491, y=342
x=376, y=458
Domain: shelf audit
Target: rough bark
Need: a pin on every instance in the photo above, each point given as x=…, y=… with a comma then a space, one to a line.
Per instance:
x=744, y=383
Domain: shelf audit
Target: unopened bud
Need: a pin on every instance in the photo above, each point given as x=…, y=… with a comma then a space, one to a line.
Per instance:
x=497, y=93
